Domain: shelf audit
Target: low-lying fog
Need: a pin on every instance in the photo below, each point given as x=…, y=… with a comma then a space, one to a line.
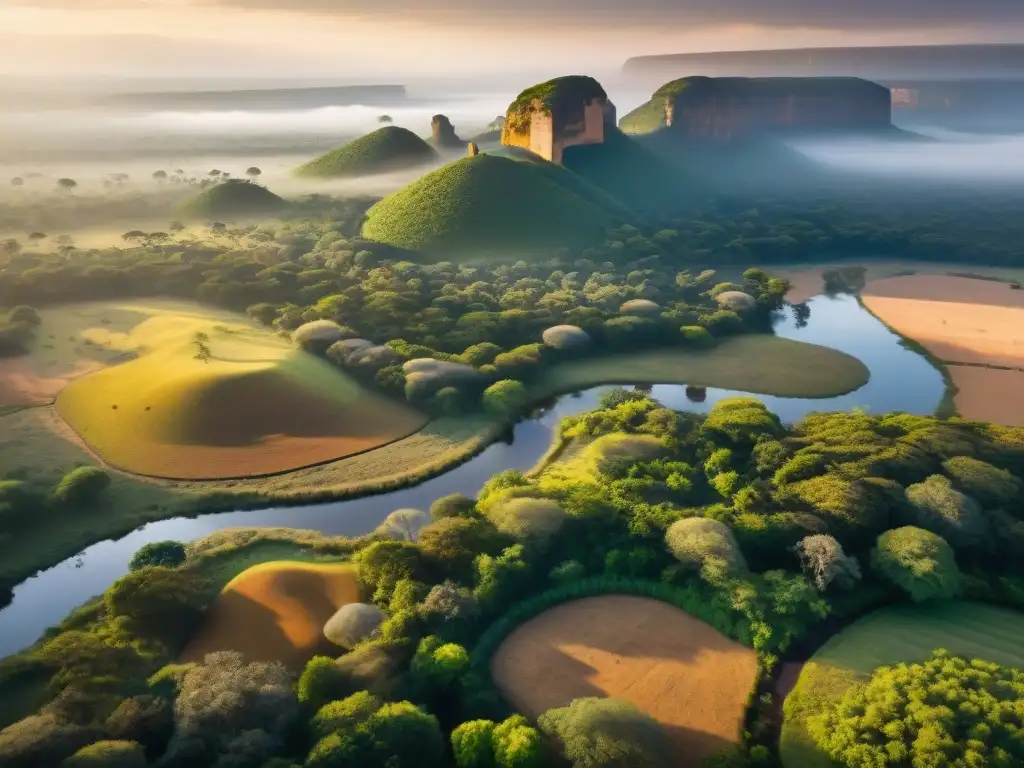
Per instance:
x=950, y=155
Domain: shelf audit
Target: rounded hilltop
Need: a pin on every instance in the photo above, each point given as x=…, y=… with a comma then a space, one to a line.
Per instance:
x=387, y=149
x=235, y=197
x=493, y=204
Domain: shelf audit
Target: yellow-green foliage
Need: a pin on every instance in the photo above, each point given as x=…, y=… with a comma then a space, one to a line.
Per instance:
x=896, y=716
x=605, y=452
x=386, y=149
x=489, y=204
x=232, y=198
x=919, y=562
x=902, y=634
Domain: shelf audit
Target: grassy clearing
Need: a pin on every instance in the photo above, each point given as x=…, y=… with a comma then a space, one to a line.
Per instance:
x=253, y=405
x=761, y=364
x=686, y=674
x=905, y=633
x=275, y=611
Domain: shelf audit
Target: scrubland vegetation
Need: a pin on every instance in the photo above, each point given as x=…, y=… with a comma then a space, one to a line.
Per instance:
x=763, y=531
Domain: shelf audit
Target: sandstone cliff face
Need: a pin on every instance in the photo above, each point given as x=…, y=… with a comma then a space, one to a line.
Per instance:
x=561, y=113
x=730, y=108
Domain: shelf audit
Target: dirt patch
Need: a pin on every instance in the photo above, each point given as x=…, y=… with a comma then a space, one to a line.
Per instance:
x=21, y=385
x=803, y=284
x=957, y=319
x=276, y=612
x=987, y=394
x=687, y=675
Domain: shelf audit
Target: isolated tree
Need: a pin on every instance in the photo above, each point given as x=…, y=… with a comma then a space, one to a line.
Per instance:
x=254, y=172
x=81, y=486
x=160, y=175
x=134, y=234
x=36, y=237
x=824, y=562
x=402, y=524
x=10, y=247
x=202, y=348
x=67, y=184
x=176, y=227
x=214, y=173
x=17, y=181
x=385, y=119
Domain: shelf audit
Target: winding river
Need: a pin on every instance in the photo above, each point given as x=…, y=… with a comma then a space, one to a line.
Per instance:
x=901, y=380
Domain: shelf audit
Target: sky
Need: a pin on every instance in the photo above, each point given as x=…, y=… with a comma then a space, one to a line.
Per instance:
x=380, y=40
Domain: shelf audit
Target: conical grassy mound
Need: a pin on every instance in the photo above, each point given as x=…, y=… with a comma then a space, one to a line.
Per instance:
x=491, y=205
x=386, y=149
x=232, y=198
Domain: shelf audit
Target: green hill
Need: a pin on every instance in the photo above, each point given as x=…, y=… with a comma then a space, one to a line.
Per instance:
x=489, y=205
x=234, y=197
x=632, y=173
x=386, y=149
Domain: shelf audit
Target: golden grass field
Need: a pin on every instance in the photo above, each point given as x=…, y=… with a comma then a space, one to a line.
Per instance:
x=687, y=675
x=756, y=363
x=258, y=406
x=966, y=324
x=276, y=611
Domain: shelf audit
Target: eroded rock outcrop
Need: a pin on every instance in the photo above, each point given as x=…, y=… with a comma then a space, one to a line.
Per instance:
x=564, y=112
x=443, y=133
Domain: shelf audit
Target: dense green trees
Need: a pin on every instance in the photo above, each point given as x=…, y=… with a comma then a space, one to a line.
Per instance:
x=81, y=486
x=944, y=711
x=919, y=562
x=166, y=553
x=607, y=733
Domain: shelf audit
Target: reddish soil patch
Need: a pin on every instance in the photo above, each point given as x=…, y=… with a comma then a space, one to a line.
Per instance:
x=987, y=394
x=804, y=284
x=20, y=385
x=276, y=612
x=957, y=319
x=686, y=674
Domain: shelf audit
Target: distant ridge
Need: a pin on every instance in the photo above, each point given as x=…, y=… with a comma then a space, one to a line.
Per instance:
x=926, y=62
x=262, y=99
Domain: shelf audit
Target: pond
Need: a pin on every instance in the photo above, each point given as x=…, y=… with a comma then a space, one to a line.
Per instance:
x=901, y=380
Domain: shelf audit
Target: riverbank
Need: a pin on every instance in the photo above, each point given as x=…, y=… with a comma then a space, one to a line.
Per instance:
x=37, y=441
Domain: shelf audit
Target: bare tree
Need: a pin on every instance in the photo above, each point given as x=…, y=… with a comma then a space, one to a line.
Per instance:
x=824, y=561
x=402, y=524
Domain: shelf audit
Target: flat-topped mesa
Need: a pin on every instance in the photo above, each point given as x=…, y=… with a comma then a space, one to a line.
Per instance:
x=564, y=112
x=724, y=108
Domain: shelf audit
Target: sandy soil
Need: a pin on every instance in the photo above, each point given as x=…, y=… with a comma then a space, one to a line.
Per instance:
x=276, y=612
x=804, y=284
x=21, y=385
x=987, y=394
x=687, y=675
x=957, y=319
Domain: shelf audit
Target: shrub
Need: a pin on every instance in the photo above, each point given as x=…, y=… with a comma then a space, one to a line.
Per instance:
x=321, y=682
x=941, y=509
x=344, y=715
x=42, y=740
x=81, y=486
x=16, y=503
x=565, y=337
x=693, y=540
x=108, y=754
x=517, y=745
x=145, y=719
x=613, y=454
x=23, y=314
x=824, y=562
x=697, y=336
x=991, y=486
x=168, y=554
x=318, y=335
x=506, y=399
x=353, y=623
x=608, y=733
x=405, y=736
x=155, y=602
x=532, y=519
x=740, y=421
x=225, y=696
x=946, y=711
x=640, y=307
x=454, y=505
x=472, y=746
x=918, y=562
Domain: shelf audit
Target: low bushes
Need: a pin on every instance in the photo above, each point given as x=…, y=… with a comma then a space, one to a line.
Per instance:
x=917, y=561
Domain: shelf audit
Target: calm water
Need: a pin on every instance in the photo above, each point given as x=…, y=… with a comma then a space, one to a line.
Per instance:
x=901, y=380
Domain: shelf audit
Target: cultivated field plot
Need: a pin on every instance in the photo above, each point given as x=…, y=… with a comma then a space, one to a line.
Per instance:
x=255, y=405
x=691, y=678
x=989, y=394
x=276, y=612
x=757, y=363
x=905, y=633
